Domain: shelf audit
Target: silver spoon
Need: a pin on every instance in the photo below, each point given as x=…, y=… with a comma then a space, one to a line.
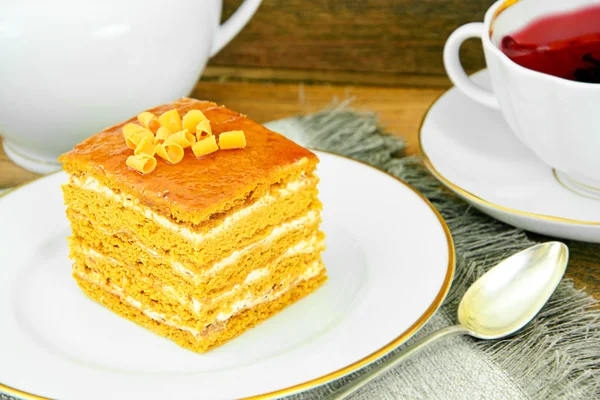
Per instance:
x=497, y=305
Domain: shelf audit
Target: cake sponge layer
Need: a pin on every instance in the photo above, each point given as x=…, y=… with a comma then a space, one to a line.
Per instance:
x=200, y=252
x=194, y=312
x=234, y=327
x=214, y=279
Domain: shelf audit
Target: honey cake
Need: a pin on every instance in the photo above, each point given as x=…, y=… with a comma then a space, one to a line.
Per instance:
x=203, y=249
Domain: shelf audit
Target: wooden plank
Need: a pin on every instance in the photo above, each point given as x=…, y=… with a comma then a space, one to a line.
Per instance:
x=11, y=174
x=308, y=76
x=389, y=36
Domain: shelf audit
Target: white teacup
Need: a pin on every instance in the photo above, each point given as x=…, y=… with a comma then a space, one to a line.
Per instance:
x=557, y=118
x=71, y=68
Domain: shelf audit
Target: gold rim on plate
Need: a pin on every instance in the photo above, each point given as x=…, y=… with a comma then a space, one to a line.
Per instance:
x=433, y=307
x=474, y=198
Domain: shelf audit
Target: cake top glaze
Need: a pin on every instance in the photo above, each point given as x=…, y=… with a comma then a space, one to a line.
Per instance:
x=194, y=188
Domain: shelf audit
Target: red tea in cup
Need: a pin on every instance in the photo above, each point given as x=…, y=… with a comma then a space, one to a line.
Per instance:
x=565, y=45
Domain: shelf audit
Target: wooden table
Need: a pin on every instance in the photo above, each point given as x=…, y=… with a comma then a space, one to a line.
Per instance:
x=400, y=109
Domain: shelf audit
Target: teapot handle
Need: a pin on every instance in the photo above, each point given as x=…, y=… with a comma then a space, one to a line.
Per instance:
x=234, y=24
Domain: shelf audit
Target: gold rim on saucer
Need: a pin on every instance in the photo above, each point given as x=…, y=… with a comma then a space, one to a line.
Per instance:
x=474, y=198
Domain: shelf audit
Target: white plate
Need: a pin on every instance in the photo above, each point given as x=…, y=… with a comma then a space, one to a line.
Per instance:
x=471, y=149
x=390, y=260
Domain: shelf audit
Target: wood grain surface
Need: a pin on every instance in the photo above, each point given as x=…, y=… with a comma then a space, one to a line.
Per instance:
x=315, y=76
x=388, y=37
x=10, y=174
x=400, y=110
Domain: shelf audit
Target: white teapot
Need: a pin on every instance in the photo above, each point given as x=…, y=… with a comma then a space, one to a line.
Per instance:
x=70, y=68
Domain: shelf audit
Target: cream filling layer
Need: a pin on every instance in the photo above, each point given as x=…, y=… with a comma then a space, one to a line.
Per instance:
x=307, y=246
x=277, y=232
x=97, y=279
x=267, y=200
x=196, y=278
x=303, y=247
x=250, y=301
x=174, y=321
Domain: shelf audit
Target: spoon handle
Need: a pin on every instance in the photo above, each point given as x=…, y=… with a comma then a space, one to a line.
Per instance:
x=395, y=360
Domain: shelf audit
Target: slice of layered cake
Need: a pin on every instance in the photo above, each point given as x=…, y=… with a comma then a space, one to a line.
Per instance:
x=194, y=221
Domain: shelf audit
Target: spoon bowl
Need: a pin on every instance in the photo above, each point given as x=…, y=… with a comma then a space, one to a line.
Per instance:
x=508, y=296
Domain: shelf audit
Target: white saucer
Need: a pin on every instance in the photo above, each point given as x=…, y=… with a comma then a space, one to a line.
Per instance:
x=471, y=149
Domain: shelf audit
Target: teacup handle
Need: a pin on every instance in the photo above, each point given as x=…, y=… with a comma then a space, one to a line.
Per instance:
x=234, y=25
x=455, y=70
